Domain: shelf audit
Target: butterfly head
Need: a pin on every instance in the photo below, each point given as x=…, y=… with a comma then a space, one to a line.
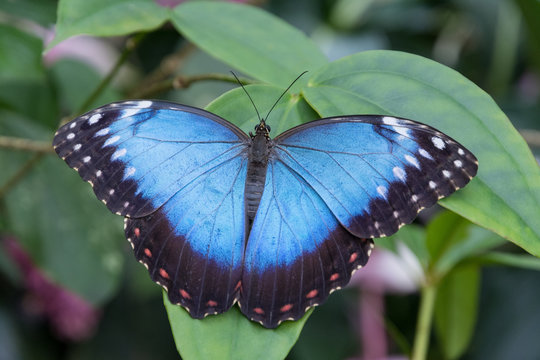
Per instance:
x=262, y=129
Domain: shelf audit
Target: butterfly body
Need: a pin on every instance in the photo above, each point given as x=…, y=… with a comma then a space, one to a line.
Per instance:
x=274, y=224
x=259, y=152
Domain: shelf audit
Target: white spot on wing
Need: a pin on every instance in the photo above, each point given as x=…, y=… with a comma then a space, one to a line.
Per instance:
x=130, y=112
x=438, y=142
x=425, y=154
x=86, y=159
x=432, y=184
x=103, y=131
x=118, y=153
x=412, y=160
x=77, y=147
x=389, y=120
x=73, y=124
x=129, y=172
x=382, y=191
x=94, y=119
x=98, y=173
x=399, y=173
x=458, y=163
x=144, y=104
x=111, y=191
x=414, y=198
x=446, y=173
x=461, y=152
x=70, y=136
x=401, y=130
x=111, y=140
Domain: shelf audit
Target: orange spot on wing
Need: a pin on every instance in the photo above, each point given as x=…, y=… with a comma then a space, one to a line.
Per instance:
x=137, y=232
x=147, y=252
x=334, y=277
x=286, y=308
x=211, y=303
x=163, y=273
x=259, y=311
x=312, y=294
x=238, y=285
x=184, y=294
x=353, y=257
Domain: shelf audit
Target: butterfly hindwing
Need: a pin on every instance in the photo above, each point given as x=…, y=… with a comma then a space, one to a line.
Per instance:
x=178, y=174
x=375, y=173
x=297, y=251
x=193, y=245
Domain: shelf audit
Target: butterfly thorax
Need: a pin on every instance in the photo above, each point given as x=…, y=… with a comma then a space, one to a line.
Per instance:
x=259, y=151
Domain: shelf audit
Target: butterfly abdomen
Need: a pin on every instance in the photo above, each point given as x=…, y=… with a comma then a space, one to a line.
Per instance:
x=256, y=174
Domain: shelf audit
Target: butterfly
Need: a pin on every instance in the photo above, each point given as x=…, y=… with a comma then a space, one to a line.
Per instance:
x=220, y=217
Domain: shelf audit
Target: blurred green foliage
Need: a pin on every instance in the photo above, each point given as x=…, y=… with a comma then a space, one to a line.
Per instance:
x=79, y=245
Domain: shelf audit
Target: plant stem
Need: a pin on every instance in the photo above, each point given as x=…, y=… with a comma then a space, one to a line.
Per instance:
x=423, y=326
x=14, y=143
x=183, y=82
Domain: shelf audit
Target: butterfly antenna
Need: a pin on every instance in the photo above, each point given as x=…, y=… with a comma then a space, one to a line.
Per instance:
x=287, y=89
x=257, y=111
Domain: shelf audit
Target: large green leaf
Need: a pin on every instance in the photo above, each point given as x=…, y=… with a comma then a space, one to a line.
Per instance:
x=249, y=39
x=107, y=17
x=456, y=309
x=505, y=195
x=236, y=107
x=229, y=336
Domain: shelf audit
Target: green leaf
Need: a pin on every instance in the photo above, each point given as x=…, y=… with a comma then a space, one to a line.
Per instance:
x=505, y=195
x=235, y=106
x=444, y=232
x=230, y=335
x=508, y=259
x=456, y=310
x=107, y=18
x=412, y=236
x=477, y=242
x=20, y=55
x=249, y=39
x=40, y=11
x=451, y=239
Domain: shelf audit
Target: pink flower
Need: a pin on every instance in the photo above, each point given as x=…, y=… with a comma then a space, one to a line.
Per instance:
x=71, y=317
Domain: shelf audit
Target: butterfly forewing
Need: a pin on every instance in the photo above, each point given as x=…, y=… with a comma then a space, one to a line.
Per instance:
x=375, y=173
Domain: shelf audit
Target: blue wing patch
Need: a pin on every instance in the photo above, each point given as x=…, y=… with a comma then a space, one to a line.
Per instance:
x=376, y=173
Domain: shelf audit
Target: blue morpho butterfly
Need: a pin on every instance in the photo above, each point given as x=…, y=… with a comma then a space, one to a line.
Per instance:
x=276, y=225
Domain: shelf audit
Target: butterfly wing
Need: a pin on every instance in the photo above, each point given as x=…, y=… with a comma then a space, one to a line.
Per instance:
x=297, y=251
x=376, y=173
x=178, y=174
